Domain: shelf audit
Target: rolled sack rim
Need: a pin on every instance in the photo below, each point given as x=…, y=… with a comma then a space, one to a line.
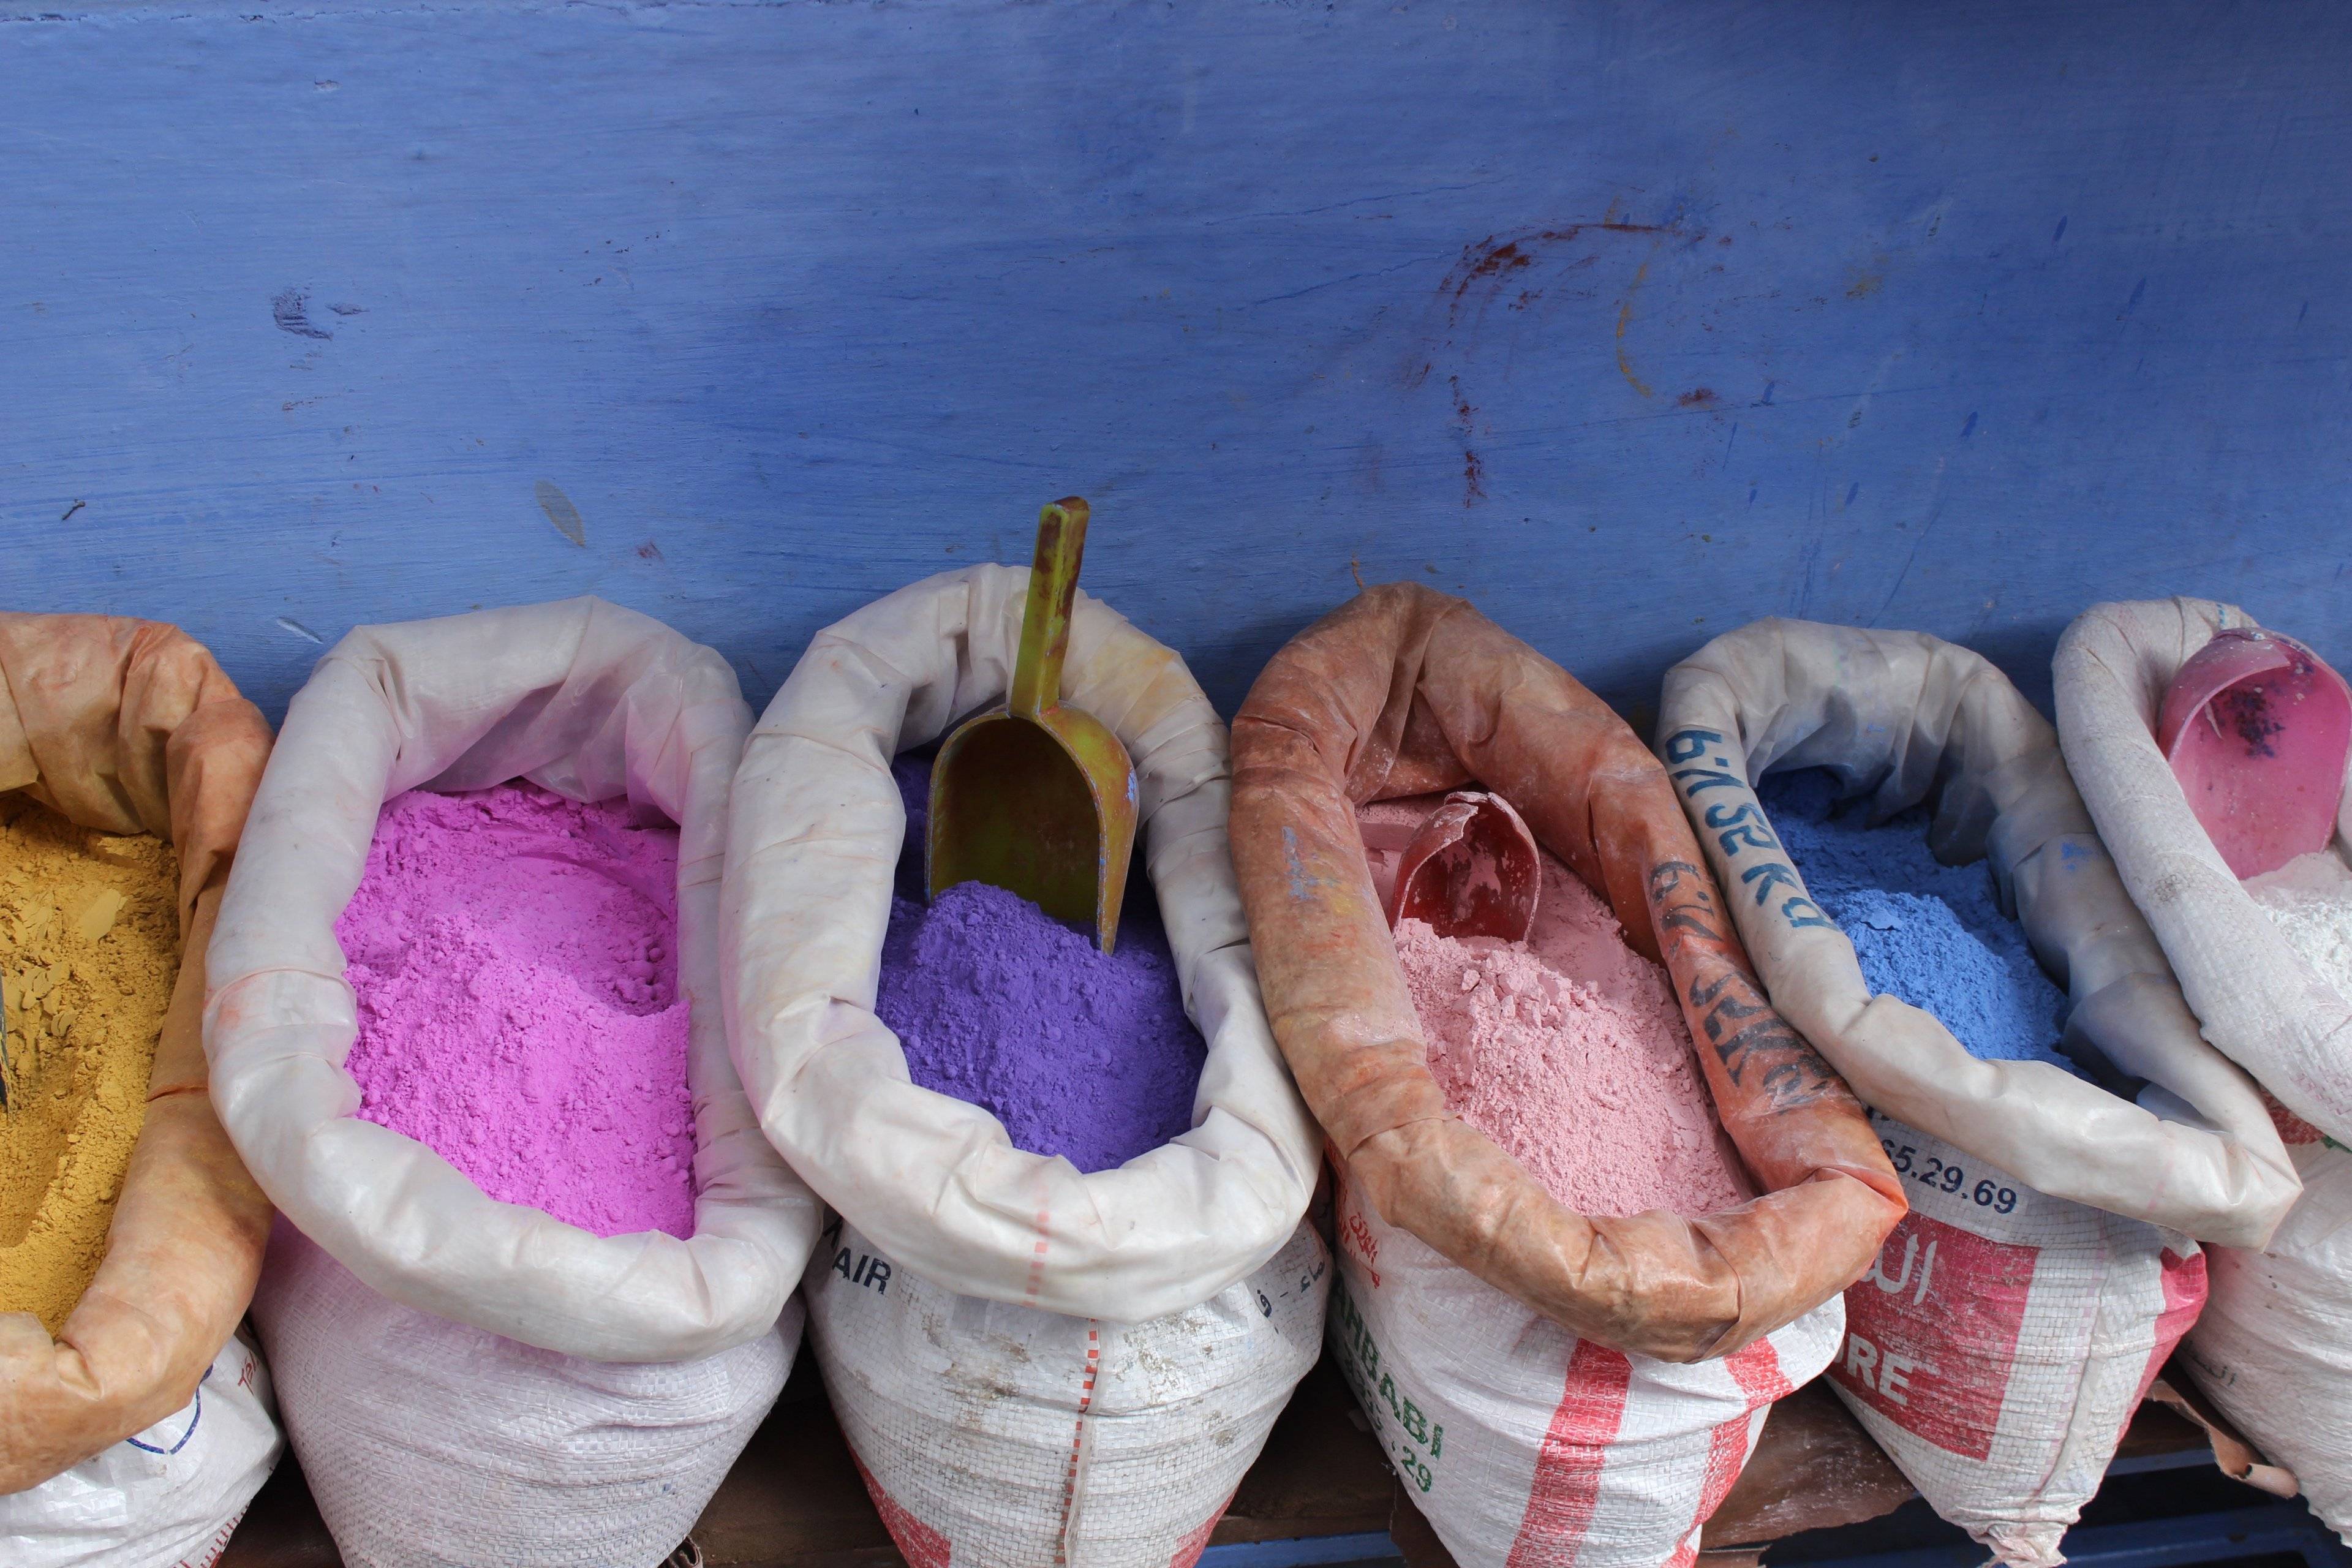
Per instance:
x=1658, y=1284
x=1741, y=692
x=634, y=704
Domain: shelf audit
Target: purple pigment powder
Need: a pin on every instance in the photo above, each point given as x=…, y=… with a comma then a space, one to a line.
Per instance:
x=514, y=957
x=999, y=1004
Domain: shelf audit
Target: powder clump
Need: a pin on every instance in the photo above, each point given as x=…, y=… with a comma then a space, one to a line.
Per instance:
x=1079, y=1054
x=1926, y=933
x=514, y=957
x=88, y=951
x=1567, y=1050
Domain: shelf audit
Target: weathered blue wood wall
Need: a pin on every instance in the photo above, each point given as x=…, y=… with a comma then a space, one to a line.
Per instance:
x=1631, y=322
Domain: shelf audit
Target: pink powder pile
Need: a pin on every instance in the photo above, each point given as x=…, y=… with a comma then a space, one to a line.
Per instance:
x=514, y=957
x=1567, y=1049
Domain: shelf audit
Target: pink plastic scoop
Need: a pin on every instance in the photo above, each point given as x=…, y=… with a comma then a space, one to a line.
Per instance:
x=2258, y=730
x=1472, y=870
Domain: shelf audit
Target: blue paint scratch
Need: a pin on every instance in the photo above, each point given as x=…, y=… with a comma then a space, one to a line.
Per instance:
x=1354, y=201
x=1301, y=884
x=2061, y=233
x=1350, y=277
x=287, y=623
x=1811, y=559
x=1969, y=428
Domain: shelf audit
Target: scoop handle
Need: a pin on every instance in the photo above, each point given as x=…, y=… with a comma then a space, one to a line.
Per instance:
x=1046, y=623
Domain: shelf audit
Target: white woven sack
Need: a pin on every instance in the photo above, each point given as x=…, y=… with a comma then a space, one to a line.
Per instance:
x=593, y=703
x=2000, y=1343
x=2019, y=1348
x=1524, y=1445
x=1900, y=716
x=2273, y=1349
x=428, y=1444
x=170, y=1496
x=933, y=1184
x=989, y=1433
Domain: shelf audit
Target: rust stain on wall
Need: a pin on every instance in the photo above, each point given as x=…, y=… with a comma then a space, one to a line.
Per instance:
x=1624, y=319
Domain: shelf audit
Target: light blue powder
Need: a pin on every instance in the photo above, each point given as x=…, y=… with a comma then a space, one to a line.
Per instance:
x=1928, y=933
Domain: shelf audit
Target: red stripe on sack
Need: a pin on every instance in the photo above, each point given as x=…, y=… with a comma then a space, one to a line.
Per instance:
x=1189, y=1550
x=2183, y=1280
x=917, y=1542
x=1756, y=1371
x=2292, y=1129
x=1037, y=1259
x=1566, y=1490
x=1077, y=1445
x=209, y=1554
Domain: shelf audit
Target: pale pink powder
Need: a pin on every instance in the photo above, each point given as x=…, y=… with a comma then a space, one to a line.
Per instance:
x=1567, y=1049
x=515, y=958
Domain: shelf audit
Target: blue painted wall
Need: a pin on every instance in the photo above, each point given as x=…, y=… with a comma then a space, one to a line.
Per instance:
x=1630, y=322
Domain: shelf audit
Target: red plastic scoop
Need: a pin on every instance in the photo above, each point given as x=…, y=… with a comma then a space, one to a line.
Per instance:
x=2258, y=730
x=1472, y=870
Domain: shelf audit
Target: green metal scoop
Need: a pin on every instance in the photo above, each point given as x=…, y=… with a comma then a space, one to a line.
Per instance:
x=1033, y=796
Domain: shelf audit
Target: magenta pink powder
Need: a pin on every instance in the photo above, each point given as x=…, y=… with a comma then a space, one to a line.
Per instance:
x=514, y=957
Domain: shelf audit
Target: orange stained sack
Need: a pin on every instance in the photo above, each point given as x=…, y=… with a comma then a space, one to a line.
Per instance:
x=1405, y=691
x=128, y=727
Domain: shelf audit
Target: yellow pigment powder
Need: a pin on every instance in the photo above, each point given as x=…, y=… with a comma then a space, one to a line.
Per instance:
x=88, y=948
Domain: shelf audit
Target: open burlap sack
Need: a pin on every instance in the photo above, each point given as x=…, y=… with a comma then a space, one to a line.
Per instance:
x=1032, y=1364
x=1905, y=718
x=128, y=726
x=2273, y=1349
x=2259, y=1004
x=466, y=1381
x=1404, y=691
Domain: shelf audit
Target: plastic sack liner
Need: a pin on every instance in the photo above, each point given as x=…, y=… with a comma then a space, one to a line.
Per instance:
x=129, y=727
x=585, y=699
x=2273, y=1349
x=1900, y=716
x=1404, y=692
x=929, y=1181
